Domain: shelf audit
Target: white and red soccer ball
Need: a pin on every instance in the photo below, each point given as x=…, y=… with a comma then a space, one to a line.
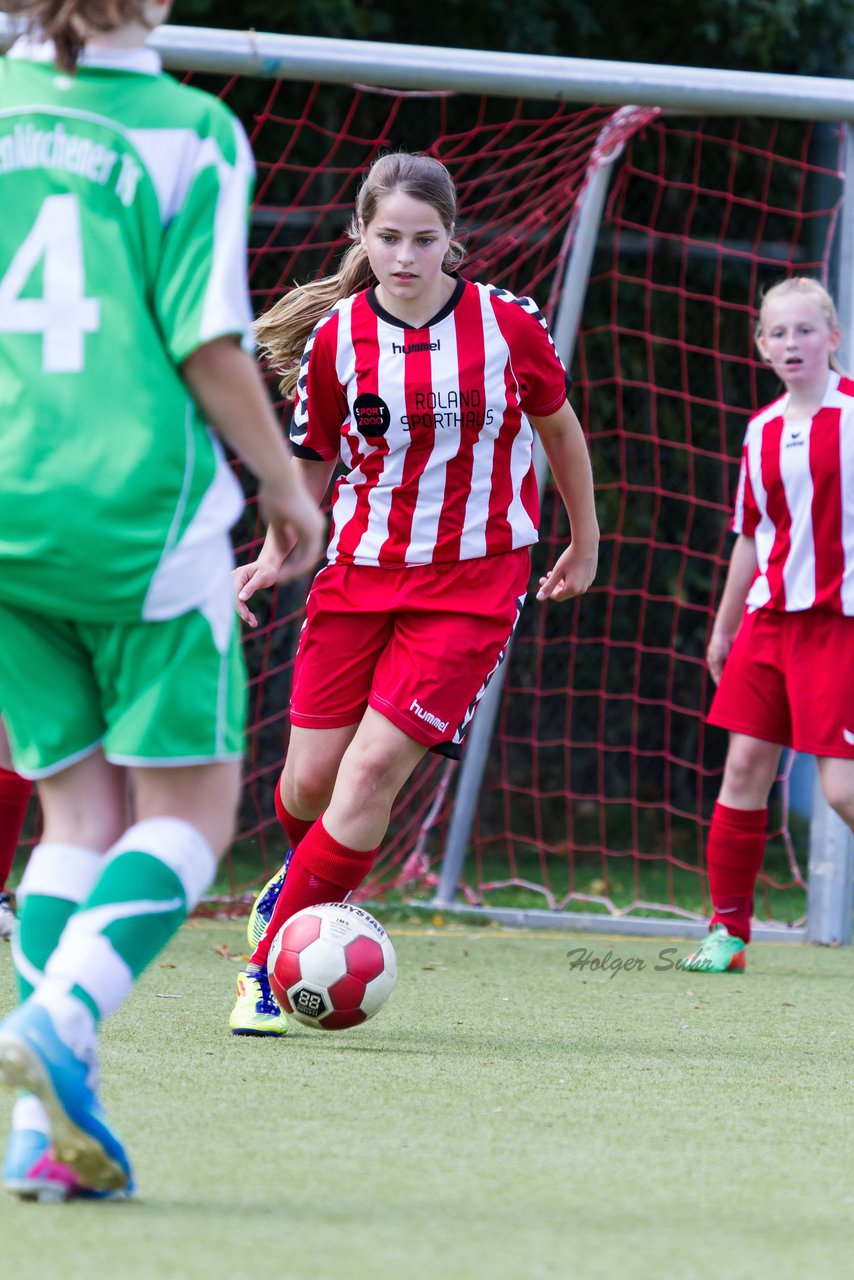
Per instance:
x=332, y=966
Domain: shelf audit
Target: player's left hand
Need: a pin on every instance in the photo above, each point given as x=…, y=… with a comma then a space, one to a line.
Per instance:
x=246, y=579
x=572, y=575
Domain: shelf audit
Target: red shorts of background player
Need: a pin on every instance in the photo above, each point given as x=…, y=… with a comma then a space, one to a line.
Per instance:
x=417, y=644
x=789, y=678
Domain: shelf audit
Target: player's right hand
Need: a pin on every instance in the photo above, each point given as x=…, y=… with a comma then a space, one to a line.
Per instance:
x=294, y=542
x=717, y=654
x=297, y=525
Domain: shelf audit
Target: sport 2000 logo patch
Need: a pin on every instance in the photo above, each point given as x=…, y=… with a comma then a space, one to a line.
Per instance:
x=372, y=415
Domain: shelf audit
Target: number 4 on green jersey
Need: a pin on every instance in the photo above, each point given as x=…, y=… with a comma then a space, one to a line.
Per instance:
x=62, y=315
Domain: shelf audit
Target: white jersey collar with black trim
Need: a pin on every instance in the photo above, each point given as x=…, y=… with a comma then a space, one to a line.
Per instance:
x=141, y=59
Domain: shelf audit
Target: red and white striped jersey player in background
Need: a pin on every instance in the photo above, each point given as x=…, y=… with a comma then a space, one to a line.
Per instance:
x=782, y=644
x=428, y=388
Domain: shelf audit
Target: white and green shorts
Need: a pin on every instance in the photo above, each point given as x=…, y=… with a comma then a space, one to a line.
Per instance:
x=147, y=693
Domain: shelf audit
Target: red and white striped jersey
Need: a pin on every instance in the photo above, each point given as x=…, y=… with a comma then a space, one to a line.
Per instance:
x=431, y=425
x=796, y=498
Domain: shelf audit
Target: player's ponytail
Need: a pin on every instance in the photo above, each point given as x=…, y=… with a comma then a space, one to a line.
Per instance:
x=283, y=331
x=67, y=22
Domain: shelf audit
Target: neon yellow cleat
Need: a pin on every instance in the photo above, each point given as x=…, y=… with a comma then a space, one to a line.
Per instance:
x=720, y=952
x=262, y=910
x=256, y=1012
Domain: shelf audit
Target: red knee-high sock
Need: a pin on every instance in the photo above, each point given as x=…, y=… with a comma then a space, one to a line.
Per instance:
x=294, y=828
x=321, y=870
x=734, y=853
x=15, y=793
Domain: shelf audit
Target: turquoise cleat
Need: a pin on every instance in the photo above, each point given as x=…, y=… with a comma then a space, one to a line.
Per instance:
x=720, y=952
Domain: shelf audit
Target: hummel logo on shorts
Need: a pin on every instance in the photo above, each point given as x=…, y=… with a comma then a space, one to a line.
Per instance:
x=428, y=717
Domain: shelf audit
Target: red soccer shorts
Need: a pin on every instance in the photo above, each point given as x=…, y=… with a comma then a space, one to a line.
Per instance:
x=789, y=679
x=417, y=644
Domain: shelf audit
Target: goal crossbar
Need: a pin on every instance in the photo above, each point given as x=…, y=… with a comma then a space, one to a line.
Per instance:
x=689, y=90
x=511, y=75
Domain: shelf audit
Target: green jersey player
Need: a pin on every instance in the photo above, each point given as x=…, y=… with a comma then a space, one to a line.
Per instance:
x=123, y=307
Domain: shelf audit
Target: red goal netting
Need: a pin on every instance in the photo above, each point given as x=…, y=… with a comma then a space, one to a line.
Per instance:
x=602, y=773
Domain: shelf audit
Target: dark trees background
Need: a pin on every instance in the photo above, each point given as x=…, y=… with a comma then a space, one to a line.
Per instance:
x=807, y=37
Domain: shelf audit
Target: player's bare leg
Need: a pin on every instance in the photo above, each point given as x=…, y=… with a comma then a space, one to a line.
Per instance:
x=837, y=783
x=205, y=796
x=374, y=767
x=749, y=772
x=311, y=768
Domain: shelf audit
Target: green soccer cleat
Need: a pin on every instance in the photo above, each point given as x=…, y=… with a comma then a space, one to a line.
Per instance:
x=262, y=910
x=256, y=1012
x=720, y=952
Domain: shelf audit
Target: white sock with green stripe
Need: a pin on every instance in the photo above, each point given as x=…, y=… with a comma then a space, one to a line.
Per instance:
x=58, y=877
x=150, y=880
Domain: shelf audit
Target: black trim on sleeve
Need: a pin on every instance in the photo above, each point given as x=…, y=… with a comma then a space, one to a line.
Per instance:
x=310, y=455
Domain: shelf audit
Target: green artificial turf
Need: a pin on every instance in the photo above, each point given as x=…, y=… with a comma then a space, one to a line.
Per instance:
x=505, y=1117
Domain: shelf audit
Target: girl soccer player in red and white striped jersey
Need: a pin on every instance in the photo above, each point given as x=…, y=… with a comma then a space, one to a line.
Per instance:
x=428, y=388
x=784, y=664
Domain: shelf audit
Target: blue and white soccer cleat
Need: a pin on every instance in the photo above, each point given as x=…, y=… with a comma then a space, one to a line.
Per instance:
x=262, y=911
x=33, y=1057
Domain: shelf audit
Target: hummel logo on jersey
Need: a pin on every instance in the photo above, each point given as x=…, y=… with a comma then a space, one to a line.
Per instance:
x=848, y=736
x=441, y=725
x=407, y=348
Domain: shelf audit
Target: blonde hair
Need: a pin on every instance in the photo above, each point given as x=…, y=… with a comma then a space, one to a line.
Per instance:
x=282, y=331
x=65, y=21
x=807, y=287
